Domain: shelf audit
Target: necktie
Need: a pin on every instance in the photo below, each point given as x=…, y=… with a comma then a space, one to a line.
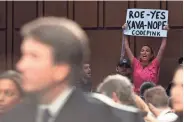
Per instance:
x=46, y=116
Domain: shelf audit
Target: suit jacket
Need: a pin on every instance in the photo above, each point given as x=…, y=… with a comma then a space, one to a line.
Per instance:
x=124, y=112
x=76, y=109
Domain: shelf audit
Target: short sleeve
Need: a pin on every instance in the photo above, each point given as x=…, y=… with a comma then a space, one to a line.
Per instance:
x=156, y=63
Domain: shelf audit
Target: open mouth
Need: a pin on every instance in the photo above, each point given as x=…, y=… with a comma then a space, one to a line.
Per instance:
x=144, y=56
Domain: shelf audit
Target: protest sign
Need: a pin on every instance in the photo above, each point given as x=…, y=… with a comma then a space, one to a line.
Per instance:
x=146, y=22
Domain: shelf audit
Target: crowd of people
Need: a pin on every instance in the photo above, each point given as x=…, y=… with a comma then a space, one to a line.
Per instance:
x=53, y=81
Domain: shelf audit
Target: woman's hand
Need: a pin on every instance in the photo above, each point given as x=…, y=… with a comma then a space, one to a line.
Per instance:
x=124, y=26
x=166, y=27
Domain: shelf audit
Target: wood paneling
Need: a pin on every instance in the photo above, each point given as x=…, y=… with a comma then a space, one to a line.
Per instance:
x=85, y=13
x=3, y=15
x=115, y=13
x=23, y=12
x=57, y=8
x=16, y=47
x=105, y=48
x=102, y=20
x=3, y=51
x=175, y=13
x=148, y=4
x=174, y=47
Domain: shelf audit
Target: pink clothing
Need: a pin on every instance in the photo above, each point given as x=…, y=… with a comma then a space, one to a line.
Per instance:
x=149, y=73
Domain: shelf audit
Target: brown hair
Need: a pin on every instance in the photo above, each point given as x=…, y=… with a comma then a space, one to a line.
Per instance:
x=67, y=39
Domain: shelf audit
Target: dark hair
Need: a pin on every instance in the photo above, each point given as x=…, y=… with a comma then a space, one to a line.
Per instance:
x=152, y=52
x=157, y=97
x=180, y=60
x=145, y=86
x=68, y=41
x=15, y=77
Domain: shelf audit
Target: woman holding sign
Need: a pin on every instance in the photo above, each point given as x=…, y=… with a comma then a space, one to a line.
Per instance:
x=146, y=68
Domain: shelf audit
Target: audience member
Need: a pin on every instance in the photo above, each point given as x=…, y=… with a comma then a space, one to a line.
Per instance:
x=11, y=92
x=118, y=88
x=116, y=91
x=158, y=103
x=145, y=86
x=146, y=68
x=124, y=68
x=177, y=93
x=85, y=83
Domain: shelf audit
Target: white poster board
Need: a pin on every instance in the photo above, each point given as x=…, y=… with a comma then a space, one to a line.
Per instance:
x=146, y=22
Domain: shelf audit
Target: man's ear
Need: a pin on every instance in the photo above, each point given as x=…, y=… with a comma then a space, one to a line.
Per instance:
x=115, y=97
x=60, y=72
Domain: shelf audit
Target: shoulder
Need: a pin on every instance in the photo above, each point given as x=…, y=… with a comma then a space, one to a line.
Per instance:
x=20, y=112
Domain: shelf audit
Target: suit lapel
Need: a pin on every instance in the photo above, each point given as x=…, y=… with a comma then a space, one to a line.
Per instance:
x=70, y=110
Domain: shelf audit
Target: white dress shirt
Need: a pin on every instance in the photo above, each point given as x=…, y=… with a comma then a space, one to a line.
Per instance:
x=55, y=107
x=107, y=100
x=167, y=116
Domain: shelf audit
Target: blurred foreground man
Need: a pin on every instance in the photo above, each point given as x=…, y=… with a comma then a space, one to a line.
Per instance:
x=53, y=52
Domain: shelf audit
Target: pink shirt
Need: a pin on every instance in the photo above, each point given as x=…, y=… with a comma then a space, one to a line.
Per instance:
x=149, y=73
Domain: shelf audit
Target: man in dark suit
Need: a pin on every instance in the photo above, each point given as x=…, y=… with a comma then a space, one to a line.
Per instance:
x=53, y=51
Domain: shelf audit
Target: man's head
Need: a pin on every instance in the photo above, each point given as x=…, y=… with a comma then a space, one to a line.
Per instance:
x=87, y=70
x=177, y=89
x=157, y=97
x=118, y=88
x=145, y=86
x=123, y=67
x=53, y=51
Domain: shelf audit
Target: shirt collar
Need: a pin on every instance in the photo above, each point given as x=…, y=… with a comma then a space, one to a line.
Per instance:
x=110, y=102
x=58, y=103
x=164, y=112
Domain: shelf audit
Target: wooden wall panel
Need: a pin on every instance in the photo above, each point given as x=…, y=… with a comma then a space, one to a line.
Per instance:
x=102, y=20
x=3, y=15
x=85, y=13
x=16, y=47
x=175, y=13
x=3, y=51
x=23, y=12
x=115, y=13
x=174, y=44
x=148, y=4
x=57, y=8
x=105, y=48
x=173, y=51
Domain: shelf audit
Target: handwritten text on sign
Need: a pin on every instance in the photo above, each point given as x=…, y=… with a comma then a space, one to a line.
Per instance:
x=146, y=22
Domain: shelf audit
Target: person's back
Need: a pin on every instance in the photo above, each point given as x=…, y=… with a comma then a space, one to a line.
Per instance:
x=158, y=103
x=126, y=113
